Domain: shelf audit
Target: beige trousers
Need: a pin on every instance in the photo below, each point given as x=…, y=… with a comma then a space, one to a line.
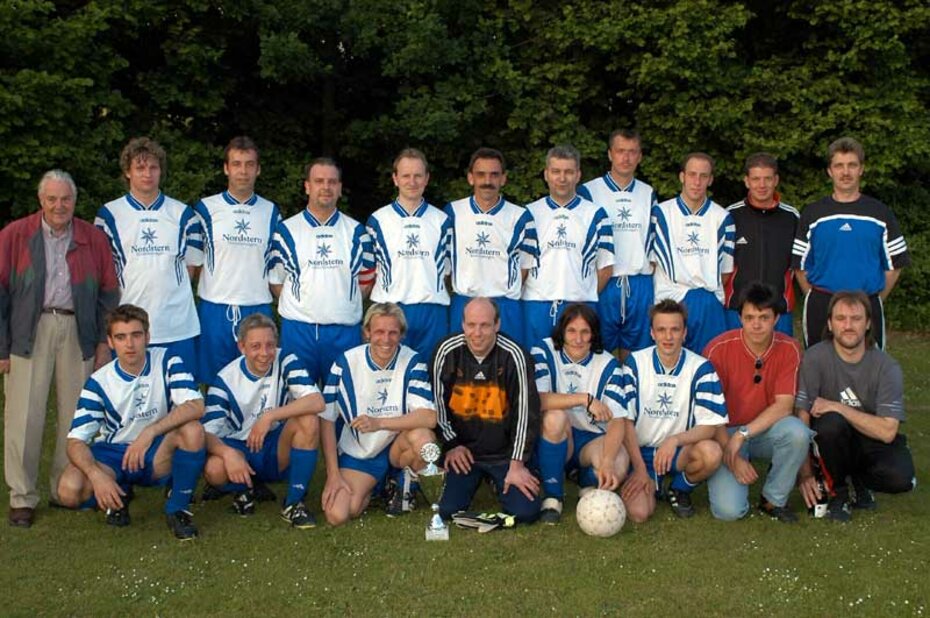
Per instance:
x=26, y=389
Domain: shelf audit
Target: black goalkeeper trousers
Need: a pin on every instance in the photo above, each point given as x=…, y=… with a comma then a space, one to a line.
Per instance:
x=844, y=452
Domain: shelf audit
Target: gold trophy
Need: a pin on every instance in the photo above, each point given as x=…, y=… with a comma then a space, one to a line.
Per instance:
x=432, y=478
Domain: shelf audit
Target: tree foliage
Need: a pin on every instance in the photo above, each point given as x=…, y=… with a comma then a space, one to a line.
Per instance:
x=360, y=79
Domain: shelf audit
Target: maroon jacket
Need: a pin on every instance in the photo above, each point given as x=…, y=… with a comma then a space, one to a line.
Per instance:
x=22, y=284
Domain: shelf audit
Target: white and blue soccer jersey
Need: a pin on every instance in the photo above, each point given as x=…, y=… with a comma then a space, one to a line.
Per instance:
x=238, y=398
x=322, y=261
x=692, y=250
x=629, y=210
x=575, y=241
x=597, y=374
x=236, y=248
x=491, y=249
x=357, y=386
x=663, y=403
x=115, y=406
x=151, y=249
x=411, y=254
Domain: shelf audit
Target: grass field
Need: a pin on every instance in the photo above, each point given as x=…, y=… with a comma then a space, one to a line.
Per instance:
x=72, y=564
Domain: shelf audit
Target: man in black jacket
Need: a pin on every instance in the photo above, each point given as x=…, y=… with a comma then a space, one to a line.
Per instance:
x=765, y=230
x=488, y=414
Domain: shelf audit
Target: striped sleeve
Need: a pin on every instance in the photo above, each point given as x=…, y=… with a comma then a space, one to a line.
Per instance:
x=181, y=385
x=726, y=243
x=605, y=239
x=89, y=413
x=543, y=372
x=419, y=392
x=525, y=419
x=440, y=356
x=218, y=410
x=274, y=272
x=629, y=387
x=339, y=393
x=610, y=390
x=707, y=403
x=529, y=245
x=297, y=378
x=659, y=246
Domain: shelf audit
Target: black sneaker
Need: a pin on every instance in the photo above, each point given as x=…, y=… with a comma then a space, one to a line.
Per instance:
x=403, y=497
x=243, y=503
x=838, y=509
x=182, y=525
x=118, y=517
x=680, y=501
x=551, y=511
x=211, y=492
x=298, y=516
x=400, y=503
x=262, y=492
x=781, y=513
x=865, y=499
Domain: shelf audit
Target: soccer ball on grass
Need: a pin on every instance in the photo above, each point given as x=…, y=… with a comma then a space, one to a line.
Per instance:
x=600, y=513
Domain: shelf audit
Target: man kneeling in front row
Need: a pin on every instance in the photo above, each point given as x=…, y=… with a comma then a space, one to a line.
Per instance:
x=144, y=409
x=380, y=392
x=677, y=403
x=262, y=424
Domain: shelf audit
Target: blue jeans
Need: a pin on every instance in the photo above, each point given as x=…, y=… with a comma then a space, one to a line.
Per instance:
x=786, y=445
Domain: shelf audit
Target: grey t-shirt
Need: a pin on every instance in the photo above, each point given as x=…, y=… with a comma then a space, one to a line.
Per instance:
x=874, y=385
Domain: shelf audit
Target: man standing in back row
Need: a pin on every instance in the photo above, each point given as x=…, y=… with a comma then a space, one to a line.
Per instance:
x=576, y=252
x=411, y=241
x=847, y=241
x=692, y=246
x=156, y=242
x=623, y=305
x=326, y=257
x=765, y=229
x=237, y=227
x=493, y=245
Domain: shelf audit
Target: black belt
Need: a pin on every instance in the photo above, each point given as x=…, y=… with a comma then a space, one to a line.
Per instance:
x=57, y=311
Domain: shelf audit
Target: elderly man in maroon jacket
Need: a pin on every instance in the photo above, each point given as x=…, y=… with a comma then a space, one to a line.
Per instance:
x=57, y=283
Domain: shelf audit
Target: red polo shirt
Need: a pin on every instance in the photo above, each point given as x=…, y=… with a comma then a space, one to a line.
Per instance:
x=735, y=364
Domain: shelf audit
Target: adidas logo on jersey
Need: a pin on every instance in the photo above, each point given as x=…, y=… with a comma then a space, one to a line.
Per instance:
x=845, y=228
x=742, y=241
x=480, y=376
x=849, y=397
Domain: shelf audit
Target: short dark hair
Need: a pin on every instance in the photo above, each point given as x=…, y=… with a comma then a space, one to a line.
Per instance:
x=241, y=142
x=760, y=159
x=668, y=306
x=760, y=295
x=698, y=155
x=631, y=134
x=583, y=311
x=847, y=297
x=127, y=313
x=845, y=144
x=324, y=161
x=487, y=153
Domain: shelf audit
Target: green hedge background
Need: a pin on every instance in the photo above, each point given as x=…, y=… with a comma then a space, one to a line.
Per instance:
x=359, y=79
